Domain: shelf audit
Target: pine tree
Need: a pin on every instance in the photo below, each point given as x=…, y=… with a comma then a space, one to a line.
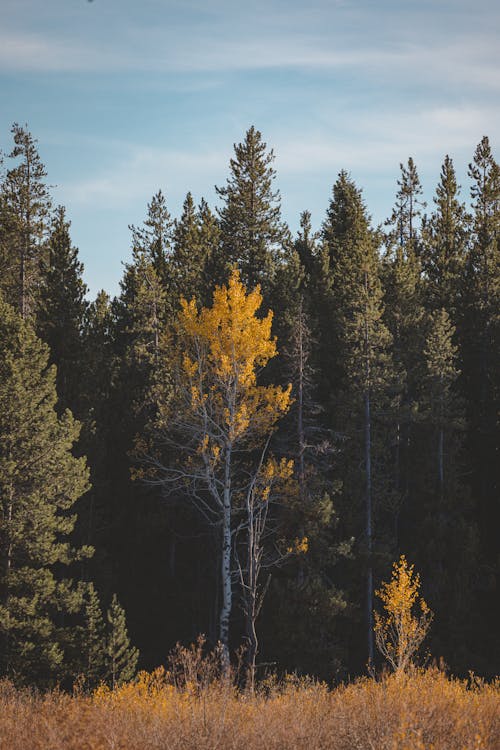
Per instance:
x=94, y=639
x=480, y=328
x=252, y=231
x=301, y=627
x=195, y=239
x=40, y=481
x=26, y=201
x=98, y=408
x=122, y=658
x=62, y=311
x=445, y=241
x=407, y=213
x=363, y=368
x=154, y=238
x=442, y=531
x=404, y=317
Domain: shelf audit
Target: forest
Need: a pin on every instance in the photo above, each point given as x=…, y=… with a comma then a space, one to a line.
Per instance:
x=244, y=440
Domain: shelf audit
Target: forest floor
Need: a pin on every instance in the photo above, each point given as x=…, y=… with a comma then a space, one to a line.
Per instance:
x=423, y=711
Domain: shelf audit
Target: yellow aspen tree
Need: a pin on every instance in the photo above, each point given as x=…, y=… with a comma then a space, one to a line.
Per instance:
x=400, y=632
x=221, y=421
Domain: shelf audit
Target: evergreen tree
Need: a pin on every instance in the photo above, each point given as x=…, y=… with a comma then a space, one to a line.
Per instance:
x=154, y=238
x=301, y=616
x=62, y=311
x=481, y=343
x=252, y=232
x=122, y=658
x=404, y=317
x=94, y=524
x=26, y=201
x=195, y=239
x=40, y=481
x=94, y=643
x=441, y=529
x=407, y=213
x=363, y=368
x=445, y=240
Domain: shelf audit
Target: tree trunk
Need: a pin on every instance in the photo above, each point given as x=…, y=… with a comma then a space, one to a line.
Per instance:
x=225, y=612
x=369, y=530
x=251, y=607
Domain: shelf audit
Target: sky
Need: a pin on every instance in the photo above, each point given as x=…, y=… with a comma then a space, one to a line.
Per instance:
x=129, y=96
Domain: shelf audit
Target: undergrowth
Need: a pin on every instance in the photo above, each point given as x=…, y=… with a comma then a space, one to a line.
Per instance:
x=193, y=705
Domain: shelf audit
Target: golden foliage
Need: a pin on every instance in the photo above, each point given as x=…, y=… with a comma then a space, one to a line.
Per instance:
x=224, y=347
x=400, y=632
x=423, y=710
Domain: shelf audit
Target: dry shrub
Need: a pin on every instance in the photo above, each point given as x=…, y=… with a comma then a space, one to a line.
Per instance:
x=183, y=708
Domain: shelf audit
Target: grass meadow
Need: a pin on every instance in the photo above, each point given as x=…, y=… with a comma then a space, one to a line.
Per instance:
x=422, y=710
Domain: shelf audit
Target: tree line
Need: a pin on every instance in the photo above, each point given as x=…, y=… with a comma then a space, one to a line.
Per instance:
x=243, y=441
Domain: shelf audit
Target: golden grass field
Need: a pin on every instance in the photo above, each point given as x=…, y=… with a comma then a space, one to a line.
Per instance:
x=425, y=710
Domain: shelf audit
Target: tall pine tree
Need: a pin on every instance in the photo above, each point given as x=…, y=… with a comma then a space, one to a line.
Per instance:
x=26, y=202
x=62, y=311
x=40, y=481
x=252, y=230
x=363, y=368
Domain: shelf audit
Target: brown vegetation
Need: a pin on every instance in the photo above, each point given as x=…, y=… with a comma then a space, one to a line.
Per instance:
x=422, y=710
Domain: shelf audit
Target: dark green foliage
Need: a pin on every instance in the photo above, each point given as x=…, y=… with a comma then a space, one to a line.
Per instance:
x=445, y=241
x=252, y=232
x=362, y=372
x=94, y=640
x=121, y=657
x=196, y=239
x=154, y=238
x=40, y=481
x=25, y=203
x=62, y=311
x=407, y=213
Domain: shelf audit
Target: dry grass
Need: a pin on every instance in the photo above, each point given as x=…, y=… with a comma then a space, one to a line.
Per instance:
x=423, y=711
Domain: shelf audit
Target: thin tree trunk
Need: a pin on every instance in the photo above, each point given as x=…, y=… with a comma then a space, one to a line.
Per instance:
x=225, y=612
x=369, y=529
x=368, y=489
x=441, y=462
x=251, y=596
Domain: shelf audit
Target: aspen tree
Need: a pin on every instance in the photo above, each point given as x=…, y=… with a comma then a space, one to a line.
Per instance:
x=221, y=422
x=400, y=632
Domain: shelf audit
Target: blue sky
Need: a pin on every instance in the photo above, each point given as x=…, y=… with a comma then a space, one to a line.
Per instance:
x=129, y=96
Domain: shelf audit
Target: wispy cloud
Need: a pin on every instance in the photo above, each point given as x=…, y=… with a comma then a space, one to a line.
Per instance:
x=384, y=140
x=140, y=171
x=207, y=44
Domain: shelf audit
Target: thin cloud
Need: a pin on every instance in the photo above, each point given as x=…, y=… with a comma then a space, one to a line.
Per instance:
x=140, y=171
x=463, y=60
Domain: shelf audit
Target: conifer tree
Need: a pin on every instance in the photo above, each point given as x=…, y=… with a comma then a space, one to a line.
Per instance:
x=445, y=241
x=27, y=202
x=97, y=441
x=305, y=603
x=292, y=279
x=404, y=317
x=363, y=365
x=94, y=640
x=406, y=214
x=40, y=481
x=62, y=310
x=195, y=239
x=121, y=657
x=154, y=238
x=252, y=232
x=481, y=342
x=443, y=532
